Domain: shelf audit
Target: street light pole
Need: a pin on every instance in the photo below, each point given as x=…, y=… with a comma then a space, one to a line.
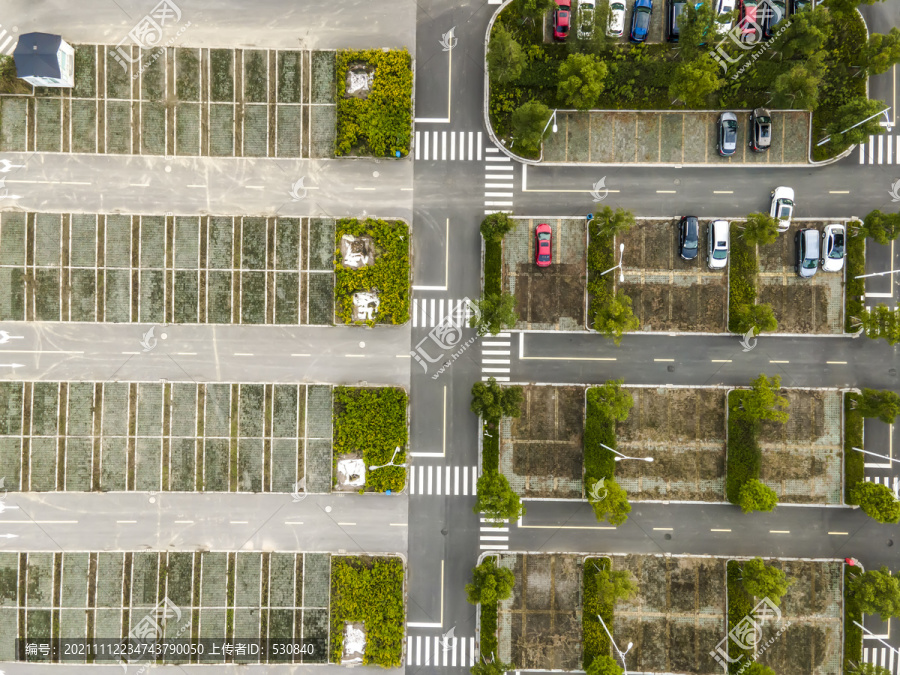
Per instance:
x=619, y=266
x=875, y=454
x=880, y=112
x=391, y=463
x=621, y=456
x=552, y=119
x=615, y=646
x=876, y=274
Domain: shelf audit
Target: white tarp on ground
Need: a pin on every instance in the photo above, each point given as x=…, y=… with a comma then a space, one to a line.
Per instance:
x=360, y=81
x=356, y=252
x=351, y=472
x=354, y=644
x=365, y=306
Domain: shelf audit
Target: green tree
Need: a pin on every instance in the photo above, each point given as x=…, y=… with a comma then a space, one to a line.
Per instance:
x=881, y=322
x=581, y=80
x=799, y=86
x=529, y=126
x=490, y=583
x=881, y=52
x=759, y=316
x=695, y=23
x=876, y=592
x=494, y=313
x=616, y=317
x=505, y=57
x=756, y=668
x=496, y=499
x=535, y=9
x=612, y=505
x=693, y=81
x=881, y=403
x=609, y=222
x=611, y=400
x=762, y=402
x=495, y=667
x=756, y=496
x=495, y=226
x=614, y=585
x=882, y=227
x=869, y=669
x=853, y=112
x=806, y=35
x=492, y=401
x=604, y=664
x=760, y=228
x=876, y=501
x=762, y=581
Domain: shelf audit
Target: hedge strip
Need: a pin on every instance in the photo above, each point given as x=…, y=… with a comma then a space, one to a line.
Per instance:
x=740, y=605
x=599, y=259
x=855, y=288
x=490, y=446
x=854, y=462
x=488, y=637
x=492, y=258
x=598, y=428
x=743, y=454
x=743, y=269
x=853, y=635
x=595, y=642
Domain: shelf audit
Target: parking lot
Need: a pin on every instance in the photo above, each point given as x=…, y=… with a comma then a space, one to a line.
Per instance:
x=814, y=305
x=668, y=293
x=180, y=437
x=669, y=137
x=547, y=298
x=92, y=595
x=195, y=102
x=174, y=269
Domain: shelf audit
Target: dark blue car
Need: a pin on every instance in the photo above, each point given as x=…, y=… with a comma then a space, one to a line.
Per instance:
x=640, y=20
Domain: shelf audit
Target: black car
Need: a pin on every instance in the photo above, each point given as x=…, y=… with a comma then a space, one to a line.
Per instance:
x=798, y=6
x=674, y=8
x=726, y=142
x=773, y=13
x=760, y=130
x=688, y=237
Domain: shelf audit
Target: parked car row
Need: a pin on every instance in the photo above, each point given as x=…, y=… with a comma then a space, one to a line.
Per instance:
x=717, y=238
x=810, y=254
x=760, y=132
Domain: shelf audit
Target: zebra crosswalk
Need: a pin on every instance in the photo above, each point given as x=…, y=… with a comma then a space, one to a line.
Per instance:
x=495, y=357
x=882, y=656
x=451, y=652
x=498, y=175
x=893, y=482
x=450, y=146
x=881, y=149
x=7, y=41
x=431, y=312
x=493, y=538
x=443, y=480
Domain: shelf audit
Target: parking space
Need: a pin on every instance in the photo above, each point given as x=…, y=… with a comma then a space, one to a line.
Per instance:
x=182, y=101
x=669, y=137
x=667, y=292
x=94, y=595
x=177, y=436
x=173, y=269
x=812, y=305
x=547, y=298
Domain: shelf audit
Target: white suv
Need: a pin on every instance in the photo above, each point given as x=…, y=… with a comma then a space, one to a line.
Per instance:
x=717, y=249
x=833, y=248
x=782, y=207
x=616, y=25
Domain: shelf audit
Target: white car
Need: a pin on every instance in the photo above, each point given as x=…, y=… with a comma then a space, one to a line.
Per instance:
x=724, y=12
x=717, y=238
x=616, y=25
x=782, y=207
x=585, y=19
x=833, y=243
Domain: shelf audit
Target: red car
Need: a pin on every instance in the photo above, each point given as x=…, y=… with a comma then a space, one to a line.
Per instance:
x=543, y=248
x=750, y=29
x=562, y=17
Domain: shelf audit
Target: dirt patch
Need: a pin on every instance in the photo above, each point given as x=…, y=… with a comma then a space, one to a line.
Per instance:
x=541, y=451
x=683, y=430
x=540, y=625
x=547, y=298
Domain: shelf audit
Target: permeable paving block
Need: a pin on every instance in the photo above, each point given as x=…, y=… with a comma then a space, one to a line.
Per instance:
x=220, y=237
x=113, y=450
x=118, y=241
x=182, y=464
x=221, y=130
x=9, y=579
x=11, y=394
x=186, y=298
x=85, y=71
x=12, y=294
x=286, y=401
x=184, y=409
x=144, y=579
x=256, y=75
x=13, y=132
x=118, y=78
x=9, y=626
x=37, y=625
x=153, y=242
x=253, y=297
x=289, y=76
x=47, y=239
x=187, y=242
x=153, y=75
x=11, y=461
x=250, y=452
x=215, y=465
x=84, y=126
x=322, y=123
x=46, y=295
x=80, y=416
x=218, y=411
x=109, y=579
x=39, y=582
x=212, y=625
x=148, y=468
x=74, y=579
x=246, y=626
x=321, y=299
x=118, y=295
x=153, y=128
x=287, y=244
x=83, y=244
x=79, y=453
x=287, y=298
x=73, y=624
x=48, y=120
x=187, y=74
x=179, y=578
x=281, y=579
x=323, y=77
x=115, y=409
x=321, y=244
x=153, y=291
x=256, y=131
x=149, y=412
x=43, y=464
x=316, y=580
x=118, y=127
x=247, y=580
x=286, y=453
x=315, y=627
x=319, y=409
x=252, y=402
x=83, y=301
x=218, y=297
x=281, y=625
x=12, y=238
x=187, y=129
x=221, y=67
x=108, y=623
x=253, y=243
x=213, y=586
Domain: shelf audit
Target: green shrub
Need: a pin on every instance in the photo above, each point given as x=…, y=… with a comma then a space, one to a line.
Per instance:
x=490, y=446
x=739, y=605
x=743, y=455
x=598, y=428
x=381, y=124
x=9, y=81
x=856, y=288
x=389, y=274
x=594, y=639
x=488, y=636
x=369, y=590
x=373, y=421
x=853, y=635
x=742, y=272
x=854, y=462
x=492, y=258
